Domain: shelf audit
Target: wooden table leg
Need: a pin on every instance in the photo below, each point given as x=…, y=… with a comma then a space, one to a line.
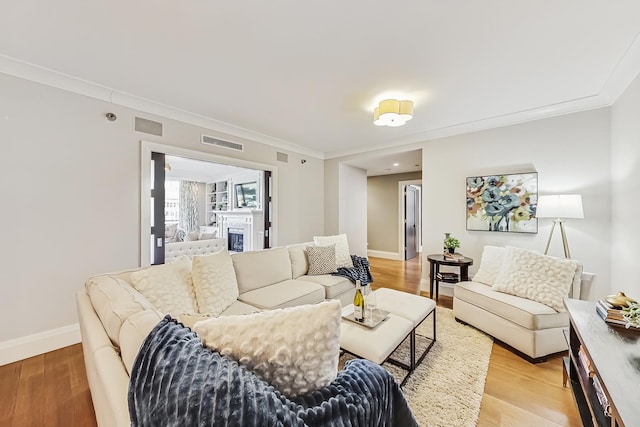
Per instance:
x=437, y=281
x=464, y=273
x=431, y=277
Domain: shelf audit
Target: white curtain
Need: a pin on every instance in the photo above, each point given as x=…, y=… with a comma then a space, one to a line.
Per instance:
x=188, y=206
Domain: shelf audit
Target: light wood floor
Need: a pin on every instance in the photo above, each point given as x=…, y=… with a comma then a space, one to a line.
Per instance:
x=516, y=392
x=52, y=390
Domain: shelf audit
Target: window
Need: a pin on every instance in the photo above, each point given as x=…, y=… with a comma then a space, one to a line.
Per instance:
x=171, y=201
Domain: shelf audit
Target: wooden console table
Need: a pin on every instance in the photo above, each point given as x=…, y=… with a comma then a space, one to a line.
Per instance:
x=615, y=360
x=436, y=260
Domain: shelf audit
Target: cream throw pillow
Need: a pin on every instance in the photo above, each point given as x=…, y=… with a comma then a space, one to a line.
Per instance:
x=294, y=349
x=168, y=286
x=536, y=277
x=343, y=256
x=214, y=281
x=490, y=265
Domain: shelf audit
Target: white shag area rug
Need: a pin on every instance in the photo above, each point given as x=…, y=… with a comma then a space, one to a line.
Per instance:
x=446, y=388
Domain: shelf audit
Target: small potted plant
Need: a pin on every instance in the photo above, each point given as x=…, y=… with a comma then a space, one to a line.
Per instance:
x=451, y=243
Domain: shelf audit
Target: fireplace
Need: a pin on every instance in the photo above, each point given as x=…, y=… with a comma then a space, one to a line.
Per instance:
x=235, y=239
x=242, y=229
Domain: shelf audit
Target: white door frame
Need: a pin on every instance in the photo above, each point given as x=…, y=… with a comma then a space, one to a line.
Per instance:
x=147, y=147
x=401, y=240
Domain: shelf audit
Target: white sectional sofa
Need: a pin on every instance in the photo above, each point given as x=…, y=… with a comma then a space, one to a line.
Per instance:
x=115, y=318
x=532, y=328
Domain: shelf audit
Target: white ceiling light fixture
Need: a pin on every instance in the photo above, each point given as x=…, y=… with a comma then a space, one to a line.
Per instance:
x=393, y=112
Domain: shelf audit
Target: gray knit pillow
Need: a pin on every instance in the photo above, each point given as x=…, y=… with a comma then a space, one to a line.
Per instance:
x=322, y=260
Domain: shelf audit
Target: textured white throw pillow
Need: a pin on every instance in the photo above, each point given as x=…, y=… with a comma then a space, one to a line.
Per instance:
x=294, y=349
x=343, y=256
x=490, y=265
x=168, y=286
x=536, y=277
x=214, y=281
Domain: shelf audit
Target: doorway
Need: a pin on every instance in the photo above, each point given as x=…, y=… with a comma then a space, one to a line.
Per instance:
x=412, y=202
x=410, y=230
x=217, y=207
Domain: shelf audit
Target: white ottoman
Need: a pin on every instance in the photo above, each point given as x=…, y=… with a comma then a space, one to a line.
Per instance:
x=377, y=344
x=414, y=308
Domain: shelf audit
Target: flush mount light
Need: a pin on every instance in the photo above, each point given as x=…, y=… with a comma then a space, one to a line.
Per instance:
x=393, y=112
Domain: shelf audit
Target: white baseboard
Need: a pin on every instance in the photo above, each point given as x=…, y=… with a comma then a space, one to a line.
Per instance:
x=387, y=255
x=42, y=342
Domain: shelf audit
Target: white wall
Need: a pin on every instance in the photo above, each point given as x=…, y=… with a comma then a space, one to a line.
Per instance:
x=70, y=198
x=352, y=205
x=571, y=154
x=625, y=204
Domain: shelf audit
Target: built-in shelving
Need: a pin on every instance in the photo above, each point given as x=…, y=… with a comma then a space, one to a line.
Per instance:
x=217, y=194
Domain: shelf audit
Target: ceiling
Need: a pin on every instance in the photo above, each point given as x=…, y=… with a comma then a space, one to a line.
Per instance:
x=307, y=75
x=183, y=168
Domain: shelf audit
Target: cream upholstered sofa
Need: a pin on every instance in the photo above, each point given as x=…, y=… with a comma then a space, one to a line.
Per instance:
x=531, y=327
x=115, y=318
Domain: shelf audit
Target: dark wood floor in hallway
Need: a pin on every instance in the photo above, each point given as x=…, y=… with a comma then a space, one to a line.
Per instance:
x=51, y=389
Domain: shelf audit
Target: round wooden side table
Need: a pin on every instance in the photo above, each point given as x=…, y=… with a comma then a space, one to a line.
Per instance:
x=436, y=260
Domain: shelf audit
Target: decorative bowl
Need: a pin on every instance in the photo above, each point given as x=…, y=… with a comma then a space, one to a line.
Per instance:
x=619, y=300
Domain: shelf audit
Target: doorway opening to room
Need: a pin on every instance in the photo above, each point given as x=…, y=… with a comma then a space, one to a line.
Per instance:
x=389, y=230
x=191, y=196
x=411, y=194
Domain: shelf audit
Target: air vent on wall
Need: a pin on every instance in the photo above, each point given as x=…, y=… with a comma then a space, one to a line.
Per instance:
x=282, y=157
x=209, y=140
x=148, y=126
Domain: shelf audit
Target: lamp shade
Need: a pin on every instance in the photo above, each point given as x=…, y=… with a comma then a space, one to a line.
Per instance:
x=560, y=206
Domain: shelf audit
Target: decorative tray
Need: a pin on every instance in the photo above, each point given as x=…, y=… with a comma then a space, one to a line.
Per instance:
x=378, y=317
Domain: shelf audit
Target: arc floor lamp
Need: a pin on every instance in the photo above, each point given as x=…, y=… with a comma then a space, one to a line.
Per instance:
x=560, y=207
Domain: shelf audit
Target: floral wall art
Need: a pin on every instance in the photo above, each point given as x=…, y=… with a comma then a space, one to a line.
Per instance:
x=503, y=203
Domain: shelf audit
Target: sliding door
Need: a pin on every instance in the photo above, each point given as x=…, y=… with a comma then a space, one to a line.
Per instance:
x=157, y=207
x=267, y=207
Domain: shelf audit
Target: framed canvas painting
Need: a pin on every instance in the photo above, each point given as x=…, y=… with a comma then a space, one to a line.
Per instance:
x=503, y=203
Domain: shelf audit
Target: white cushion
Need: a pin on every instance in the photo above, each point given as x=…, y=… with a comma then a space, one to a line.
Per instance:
x=300, y=354
x=414, y=307
x=214, y=282
x=375, y=344
x=168, y=287
x=333, y=285
x=490, y=264
x=133, y=332
x=113, y=301
x=261, y=268
x=299, y=260
x=287, y=293
x=343, y=256
x=527, y=313
x=190, y=319
x=535, y=276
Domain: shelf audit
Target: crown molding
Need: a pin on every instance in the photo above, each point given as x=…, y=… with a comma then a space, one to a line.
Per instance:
x=547, y=111
x=24, y=70
x=625, y=71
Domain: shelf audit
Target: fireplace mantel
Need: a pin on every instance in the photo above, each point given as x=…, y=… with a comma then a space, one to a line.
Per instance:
x=249, y=221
